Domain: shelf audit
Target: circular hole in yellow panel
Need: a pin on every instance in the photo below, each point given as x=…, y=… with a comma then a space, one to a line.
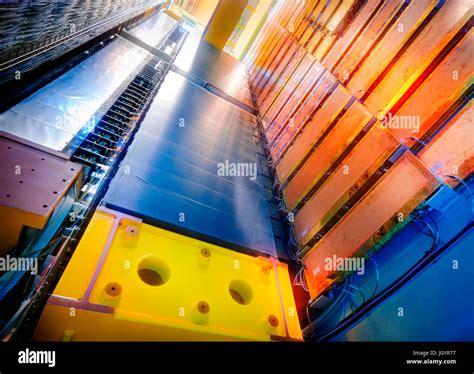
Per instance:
x=153, y=271
x=241, y=292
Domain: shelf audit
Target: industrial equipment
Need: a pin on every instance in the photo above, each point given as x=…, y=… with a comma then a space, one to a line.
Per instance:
x=236, y=170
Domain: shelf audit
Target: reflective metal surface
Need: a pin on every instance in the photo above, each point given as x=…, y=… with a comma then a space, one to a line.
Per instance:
x=170, y=174
x=154, y=29
x=55, y=113
x=216, y=67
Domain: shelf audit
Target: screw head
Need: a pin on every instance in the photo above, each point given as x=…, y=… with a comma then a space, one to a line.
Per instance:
x=113, y=289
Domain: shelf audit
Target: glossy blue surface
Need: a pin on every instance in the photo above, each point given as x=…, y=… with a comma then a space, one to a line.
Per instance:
x=199, y=59
x=438, y=304
x=169, y=176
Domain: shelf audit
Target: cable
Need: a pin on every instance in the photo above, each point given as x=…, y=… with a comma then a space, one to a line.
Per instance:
x=427, y=259
x=464, y=184
x=377, y=278
x=360, y=291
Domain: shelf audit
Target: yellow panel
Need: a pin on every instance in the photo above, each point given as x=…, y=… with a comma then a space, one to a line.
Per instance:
x=204, y=10
x=154, y=285
x=223, y=21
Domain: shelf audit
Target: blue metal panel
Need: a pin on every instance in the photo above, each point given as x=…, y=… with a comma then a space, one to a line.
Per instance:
x=198, y=59
x=54, y=114
x=169, y=176
x=438, y=304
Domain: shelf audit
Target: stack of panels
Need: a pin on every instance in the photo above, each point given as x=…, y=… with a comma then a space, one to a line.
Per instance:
x=178, y=171
x=383, y=74
x=375, y=214
x=76, y=100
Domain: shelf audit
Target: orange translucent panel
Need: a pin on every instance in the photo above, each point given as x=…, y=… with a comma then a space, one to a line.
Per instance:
x=452, y=16
x=346, y=129
x=304, y=36
x=279, y=91
x=331, y=26
x=321, y=83
x=265, y=73
x=315, y=128
x=438, y=92
x=267, y=50
x=351, y=33
x=390, y=44
x=323, y=19
x=367, y=39
x=451, y=152
x=360, y=163
x=400, y=190
x=304, y=25
x=340, y=13
x=301, y=20
x=295, y=12
x=289, y=63
x=297, y=87
x=292, y=125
